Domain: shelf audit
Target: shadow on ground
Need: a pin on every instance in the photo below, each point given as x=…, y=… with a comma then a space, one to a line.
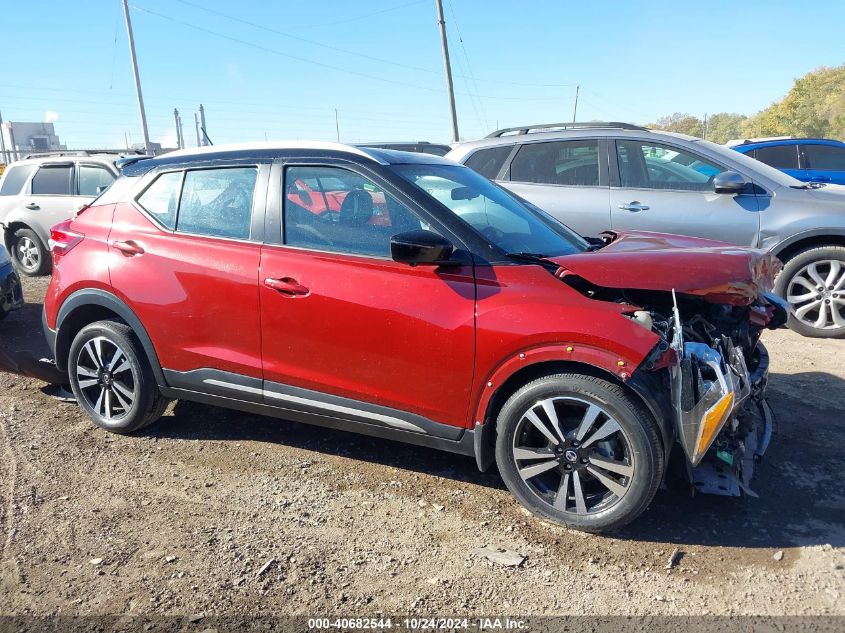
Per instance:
x=802, y=500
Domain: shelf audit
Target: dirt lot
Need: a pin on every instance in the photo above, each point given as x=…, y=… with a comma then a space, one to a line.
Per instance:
x=184, y=518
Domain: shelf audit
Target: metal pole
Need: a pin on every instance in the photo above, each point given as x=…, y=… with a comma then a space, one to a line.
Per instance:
x=178, y=133
x=3, y=157
x=147, y=147
x=13, y=150
x=705, y=126
x=202, y=126
x=449, y=88
x=197, y=125
x=337, y=125
x=575, y=110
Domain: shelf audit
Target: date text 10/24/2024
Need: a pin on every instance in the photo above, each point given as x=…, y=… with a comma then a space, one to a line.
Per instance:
x=417, y=624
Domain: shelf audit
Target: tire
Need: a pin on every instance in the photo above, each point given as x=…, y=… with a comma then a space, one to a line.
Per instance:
x=112, y=380
x=600, y=427
x=813, y=283
x=30, y=256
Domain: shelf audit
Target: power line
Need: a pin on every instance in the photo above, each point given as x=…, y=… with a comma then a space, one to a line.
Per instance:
x=365, y=16
x=469, y=66
x=305, y=60
x=355, y=53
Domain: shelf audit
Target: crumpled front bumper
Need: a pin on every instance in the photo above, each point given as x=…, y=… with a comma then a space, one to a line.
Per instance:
x=11, y=293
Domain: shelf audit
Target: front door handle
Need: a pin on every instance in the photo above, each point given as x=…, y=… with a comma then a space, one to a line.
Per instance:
x=634, y=207
x=32, y=206
x=129, y=248
x=287, y=286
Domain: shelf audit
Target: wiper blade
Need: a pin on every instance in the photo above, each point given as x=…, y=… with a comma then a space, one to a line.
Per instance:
x=531, y=258
x=810, y=185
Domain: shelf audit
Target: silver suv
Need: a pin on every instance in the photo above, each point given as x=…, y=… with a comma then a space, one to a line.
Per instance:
x=614, y=176
x=38, y=193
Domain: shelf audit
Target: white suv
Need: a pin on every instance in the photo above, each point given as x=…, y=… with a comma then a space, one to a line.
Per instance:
x=38, y=193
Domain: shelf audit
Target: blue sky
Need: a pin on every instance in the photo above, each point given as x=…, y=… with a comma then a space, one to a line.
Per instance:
x=281, y=68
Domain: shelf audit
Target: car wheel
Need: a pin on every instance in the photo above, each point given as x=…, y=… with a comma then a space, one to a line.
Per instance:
x=813, y=282
x=29, y=254
x=580, y=451
x=112, y=380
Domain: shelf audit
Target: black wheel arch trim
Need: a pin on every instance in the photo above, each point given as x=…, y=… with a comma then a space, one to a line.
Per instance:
x=822, y=237
x=102, y=299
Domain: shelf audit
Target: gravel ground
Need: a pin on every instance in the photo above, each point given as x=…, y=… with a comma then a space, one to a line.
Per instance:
x=216, y=512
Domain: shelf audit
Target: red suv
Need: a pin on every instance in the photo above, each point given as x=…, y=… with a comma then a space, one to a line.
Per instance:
x=465, y=319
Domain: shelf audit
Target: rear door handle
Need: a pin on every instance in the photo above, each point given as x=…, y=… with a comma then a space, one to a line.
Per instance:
x=635, y=206
x=287, y=286
x=129, y=248
x=32, y=206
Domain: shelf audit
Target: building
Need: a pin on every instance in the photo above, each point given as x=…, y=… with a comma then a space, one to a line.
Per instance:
x=22, y=137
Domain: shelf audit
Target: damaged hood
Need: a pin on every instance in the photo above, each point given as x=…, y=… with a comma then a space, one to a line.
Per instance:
x=716, y=271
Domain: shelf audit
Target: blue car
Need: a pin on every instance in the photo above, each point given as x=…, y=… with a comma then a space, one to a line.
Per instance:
x=11, y=297
x=807, y=159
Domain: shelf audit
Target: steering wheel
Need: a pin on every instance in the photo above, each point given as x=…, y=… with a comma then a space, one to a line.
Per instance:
x=492, y=233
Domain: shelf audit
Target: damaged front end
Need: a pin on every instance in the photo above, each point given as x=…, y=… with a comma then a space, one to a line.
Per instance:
x=722, y=420
x=708, y=304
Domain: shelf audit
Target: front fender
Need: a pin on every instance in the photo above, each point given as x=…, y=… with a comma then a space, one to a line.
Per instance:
x=575, y=352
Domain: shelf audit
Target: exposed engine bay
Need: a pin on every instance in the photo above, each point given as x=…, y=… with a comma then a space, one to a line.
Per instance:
x=711, y=362
x=718, y=371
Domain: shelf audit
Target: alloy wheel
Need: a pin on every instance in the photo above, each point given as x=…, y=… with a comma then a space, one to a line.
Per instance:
x=28, y=254
x=573, y=455
x=816, y=294
x=106, y=379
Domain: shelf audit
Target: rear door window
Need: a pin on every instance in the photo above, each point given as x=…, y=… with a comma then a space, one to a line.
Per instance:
x=218, y=202
x=53, y=180
x=779, y=156
x=488, y=162
x=826, y=157
x=558, y=163
x=16, y=178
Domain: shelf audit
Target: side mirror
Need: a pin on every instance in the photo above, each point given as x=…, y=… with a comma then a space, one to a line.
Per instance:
x=101, y=189
x=729, y=182
x=420, y=247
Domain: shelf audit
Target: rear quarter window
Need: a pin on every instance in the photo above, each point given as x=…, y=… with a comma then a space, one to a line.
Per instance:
x=15, y=178
x=488, y=162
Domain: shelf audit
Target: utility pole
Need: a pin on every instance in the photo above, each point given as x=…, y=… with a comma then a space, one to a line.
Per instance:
x=449, y=87
x=336, y=125
x=13, y=150
x=202, y=126
x=178, y=128
x=181, y=129
x=575, y=110
x=705, y=126
x=147, y=146
x=197, y=125
x=3, y=157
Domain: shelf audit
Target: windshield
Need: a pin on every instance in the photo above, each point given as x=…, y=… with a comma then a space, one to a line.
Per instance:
x=753, y=165
x=498, y=216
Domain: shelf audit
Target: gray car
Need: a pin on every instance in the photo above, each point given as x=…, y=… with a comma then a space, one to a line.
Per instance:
x=614, y=176
x=38, y=193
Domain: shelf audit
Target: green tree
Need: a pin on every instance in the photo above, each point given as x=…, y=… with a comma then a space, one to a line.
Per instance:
x=815, y=106
x=725, y=126
x=680, y=122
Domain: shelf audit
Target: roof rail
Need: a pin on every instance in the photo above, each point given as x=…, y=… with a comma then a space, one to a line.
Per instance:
x=551, y=127
x=81, y=152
